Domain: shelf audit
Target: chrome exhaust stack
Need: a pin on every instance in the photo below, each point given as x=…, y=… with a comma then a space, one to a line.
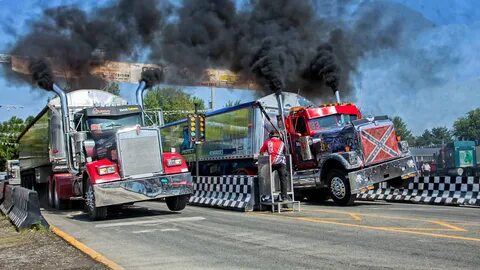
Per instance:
x=149, y=78
x=139, y=93
x=66, y=127
x=337, y=95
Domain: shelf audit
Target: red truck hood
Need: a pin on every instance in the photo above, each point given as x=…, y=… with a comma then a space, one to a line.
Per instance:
x=378, y=142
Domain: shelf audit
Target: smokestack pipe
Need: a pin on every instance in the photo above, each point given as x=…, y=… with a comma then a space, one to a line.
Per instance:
x=139, y=93
x=284, y=128
x=66, y=127
x=337, y=95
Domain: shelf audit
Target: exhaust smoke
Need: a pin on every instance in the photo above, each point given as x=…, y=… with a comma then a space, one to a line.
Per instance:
x=373, y=48
x=42, y=74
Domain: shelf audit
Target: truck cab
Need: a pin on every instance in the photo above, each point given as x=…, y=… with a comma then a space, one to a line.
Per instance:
x=311, y=122
x=92, y=145
x=349, y=153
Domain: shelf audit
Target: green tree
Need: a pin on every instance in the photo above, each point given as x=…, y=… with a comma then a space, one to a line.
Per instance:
x=232, y=103
x=175, y=103
x=9, y=131
x=402, y=130
x=434, y=137
x=468, y=127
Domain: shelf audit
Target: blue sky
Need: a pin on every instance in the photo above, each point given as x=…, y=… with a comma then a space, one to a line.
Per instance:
x=16, y=14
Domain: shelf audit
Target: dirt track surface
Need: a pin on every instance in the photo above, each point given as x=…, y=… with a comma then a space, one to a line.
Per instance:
x=40, y=249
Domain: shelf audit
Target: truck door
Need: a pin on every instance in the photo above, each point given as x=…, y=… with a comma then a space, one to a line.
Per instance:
x=301, y=152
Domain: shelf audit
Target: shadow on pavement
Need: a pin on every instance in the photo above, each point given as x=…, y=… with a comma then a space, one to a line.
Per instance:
x=114, y=212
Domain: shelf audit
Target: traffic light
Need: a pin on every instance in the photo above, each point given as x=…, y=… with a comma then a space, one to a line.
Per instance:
x=192, y=127
x=201, y=127
x=196, y=127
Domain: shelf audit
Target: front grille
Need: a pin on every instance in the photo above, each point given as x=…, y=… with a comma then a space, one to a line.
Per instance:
x=139, y=152
x=379, y=142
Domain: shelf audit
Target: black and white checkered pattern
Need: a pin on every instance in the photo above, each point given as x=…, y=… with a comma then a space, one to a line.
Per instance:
x=431, y=190
x=232, y=192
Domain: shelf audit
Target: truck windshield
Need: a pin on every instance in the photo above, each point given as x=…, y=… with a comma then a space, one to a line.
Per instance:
x=105, y=124
x=335, y=120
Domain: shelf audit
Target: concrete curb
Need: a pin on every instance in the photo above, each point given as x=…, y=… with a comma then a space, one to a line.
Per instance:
x=85, y=249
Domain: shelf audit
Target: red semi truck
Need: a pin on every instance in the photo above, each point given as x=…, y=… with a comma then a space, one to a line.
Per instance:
x=91, y=145
x=335, y=151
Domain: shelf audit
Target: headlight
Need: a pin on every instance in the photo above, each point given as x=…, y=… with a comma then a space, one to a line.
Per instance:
x=106, y=169
x=411, y=163
x=459, y=171
x=174, y=162
x=404, y=146
x=353, y=157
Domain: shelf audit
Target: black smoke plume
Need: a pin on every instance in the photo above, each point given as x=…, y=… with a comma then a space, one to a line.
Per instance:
x=324, y=67
x=42, y=74
x=77, y=40
x=267, y=66
x=152, y=77
x=274, y=42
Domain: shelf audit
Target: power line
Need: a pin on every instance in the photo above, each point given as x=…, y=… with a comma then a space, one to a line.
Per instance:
x=10, y=107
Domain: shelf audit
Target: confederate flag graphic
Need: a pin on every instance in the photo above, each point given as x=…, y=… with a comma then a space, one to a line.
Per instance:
x=379, y=144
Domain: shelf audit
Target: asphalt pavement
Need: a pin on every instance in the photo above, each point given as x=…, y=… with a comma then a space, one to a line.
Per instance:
x=369, y=235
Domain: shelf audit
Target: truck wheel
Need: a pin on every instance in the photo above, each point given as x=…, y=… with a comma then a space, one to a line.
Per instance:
x=177, y=203
x=58, y=203
x=340, y=188
x=94, y=213
x=50, y=190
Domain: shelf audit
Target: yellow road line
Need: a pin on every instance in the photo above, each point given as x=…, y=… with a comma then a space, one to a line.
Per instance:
x=454, y=228
x=85, y=249
x=369, y=215
x=388, y=229
x=355, y=217
x=439, y=222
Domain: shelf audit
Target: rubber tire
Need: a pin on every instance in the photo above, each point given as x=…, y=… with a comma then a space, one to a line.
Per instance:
x=349, y=198
x=94, y=213
x=177, y=203
x=42, y=192
x=58, y=203
x=50, y=195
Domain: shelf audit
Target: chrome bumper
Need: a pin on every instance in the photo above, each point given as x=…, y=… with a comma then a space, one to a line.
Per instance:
x=143, y=189
x=404, y=167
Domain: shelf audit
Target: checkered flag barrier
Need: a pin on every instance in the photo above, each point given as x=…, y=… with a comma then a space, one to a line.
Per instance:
x=230, y=192
x=431, y=190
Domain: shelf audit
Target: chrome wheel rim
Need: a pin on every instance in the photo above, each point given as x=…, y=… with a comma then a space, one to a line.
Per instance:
x=90, y=198
x=337, y=187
